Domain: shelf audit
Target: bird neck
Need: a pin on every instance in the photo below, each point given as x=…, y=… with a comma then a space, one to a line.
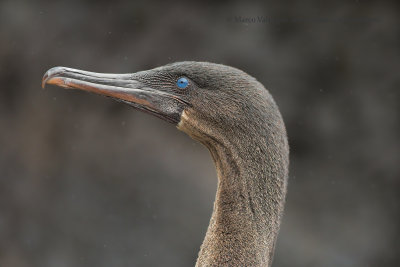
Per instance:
x=250, y=196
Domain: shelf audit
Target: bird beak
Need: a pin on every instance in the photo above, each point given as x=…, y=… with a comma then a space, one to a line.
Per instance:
x=122, y=87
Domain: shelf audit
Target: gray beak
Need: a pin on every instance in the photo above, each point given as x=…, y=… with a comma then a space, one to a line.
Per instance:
x=122, y=87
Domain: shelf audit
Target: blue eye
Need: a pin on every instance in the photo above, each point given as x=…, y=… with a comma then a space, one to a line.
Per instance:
x=182, y=82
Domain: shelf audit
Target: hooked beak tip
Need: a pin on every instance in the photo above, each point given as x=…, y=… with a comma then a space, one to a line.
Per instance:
x=44, y=80
x=50, y=74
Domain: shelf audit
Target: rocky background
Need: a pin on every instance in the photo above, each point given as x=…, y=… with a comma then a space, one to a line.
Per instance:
x=86, y=181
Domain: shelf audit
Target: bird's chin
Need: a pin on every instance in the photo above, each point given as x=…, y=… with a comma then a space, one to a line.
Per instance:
x=173, y=118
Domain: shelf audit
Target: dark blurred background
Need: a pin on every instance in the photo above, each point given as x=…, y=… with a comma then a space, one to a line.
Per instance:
x=86, y=181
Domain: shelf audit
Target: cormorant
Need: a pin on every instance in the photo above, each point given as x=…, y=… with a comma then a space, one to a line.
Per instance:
x=236, y=118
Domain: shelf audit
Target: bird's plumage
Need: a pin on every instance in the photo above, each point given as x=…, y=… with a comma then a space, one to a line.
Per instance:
x=236, y=118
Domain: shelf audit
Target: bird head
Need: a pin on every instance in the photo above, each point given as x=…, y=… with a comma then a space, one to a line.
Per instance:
x=200, y=98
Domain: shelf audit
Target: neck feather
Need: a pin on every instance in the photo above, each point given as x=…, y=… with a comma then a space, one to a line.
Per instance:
x=250, y=196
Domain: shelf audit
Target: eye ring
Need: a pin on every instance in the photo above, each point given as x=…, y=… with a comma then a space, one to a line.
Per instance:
x=182, y=82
